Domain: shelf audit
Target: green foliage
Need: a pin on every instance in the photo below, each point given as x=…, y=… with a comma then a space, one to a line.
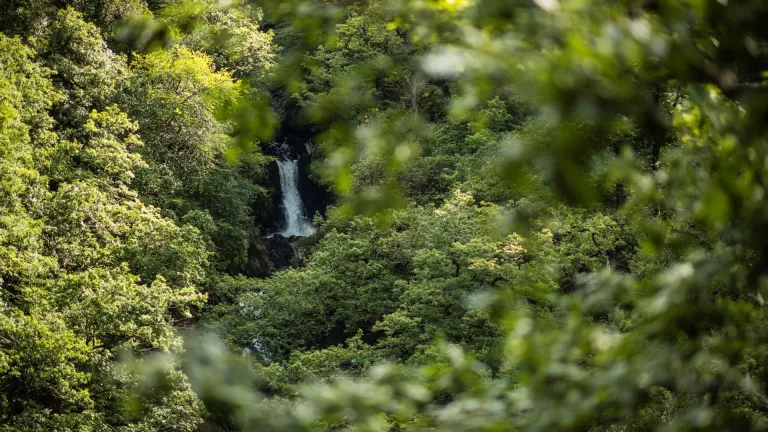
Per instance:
x=31, y=17
x=87, y=268
x=175, y=96
x=400, y=282
x=644, y=117
x=117, y=205
x=551, y=215
x=87, y=72
x=230, y=34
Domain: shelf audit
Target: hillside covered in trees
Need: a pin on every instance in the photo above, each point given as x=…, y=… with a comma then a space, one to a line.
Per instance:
x=383, y=215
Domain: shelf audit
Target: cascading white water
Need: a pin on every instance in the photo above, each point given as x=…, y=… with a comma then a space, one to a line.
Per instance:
x=296, y=221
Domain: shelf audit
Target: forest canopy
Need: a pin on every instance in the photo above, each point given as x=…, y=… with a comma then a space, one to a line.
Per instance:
x=383, y=215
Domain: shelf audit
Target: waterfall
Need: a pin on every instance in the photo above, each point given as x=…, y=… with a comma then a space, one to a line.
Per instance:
x=296, y=221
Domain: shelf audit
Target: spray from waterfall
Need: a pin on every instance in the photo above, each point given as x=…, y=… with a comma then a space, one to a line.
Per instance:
x=296, y=222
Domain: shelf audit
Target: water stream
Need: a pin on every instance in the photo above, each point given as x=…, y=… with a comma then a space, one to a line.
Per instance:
x=296, y=222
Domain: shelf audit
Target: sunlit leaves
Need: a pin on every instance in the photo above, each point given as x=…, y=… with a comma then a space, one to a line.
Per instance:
x=87, y=268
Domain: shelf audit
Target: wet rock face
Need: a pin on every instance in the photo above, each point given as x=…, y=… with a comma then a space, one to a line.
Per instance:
x=316, y=197
x=272, y=223
x=270, y=255
x=280, y=252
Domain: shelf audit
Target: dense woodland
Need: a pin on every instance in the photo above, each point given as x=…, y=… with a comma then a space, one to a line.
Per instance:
x=531, y=215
